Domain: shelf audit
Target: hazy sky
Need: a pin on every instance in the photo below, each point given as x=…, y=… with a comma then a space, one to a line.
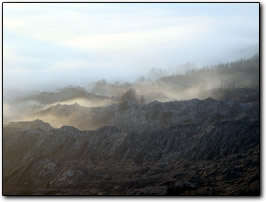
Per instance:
x=58, y=44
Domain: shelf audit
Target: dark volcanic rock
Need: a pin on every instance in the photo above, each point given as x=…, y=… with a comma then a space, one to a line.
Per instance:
x=192, y=147
x=136, y=117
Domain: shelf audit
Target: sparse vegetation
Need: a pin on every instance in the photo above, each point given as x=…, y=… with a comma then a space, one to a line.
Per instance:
x=129, y=96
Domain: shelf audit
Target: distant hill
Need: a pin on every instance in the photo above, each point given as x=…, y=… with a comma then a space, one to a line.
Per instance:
x=153, y=115
x=194, y=83
x=64, y=94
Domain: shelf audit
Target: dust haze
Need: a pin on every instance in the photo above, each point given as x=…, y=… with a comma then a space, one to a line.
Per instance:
x=214, y=81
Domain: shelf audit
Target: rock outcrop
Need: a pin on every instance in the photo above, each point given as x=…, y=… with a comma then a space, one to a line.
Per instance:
x=134, y=116
x=196, y=147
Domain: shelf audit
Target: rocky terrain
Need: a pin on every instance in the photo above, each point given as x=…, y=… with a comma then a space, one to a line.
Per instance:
x=64, y=94
x=193, y=147
x=25, y=106
x=196, y=133
x=151, y=116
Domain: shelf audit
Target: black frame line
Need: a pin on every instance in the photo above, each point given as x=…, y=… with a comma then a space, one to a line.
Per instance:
x=129, y=2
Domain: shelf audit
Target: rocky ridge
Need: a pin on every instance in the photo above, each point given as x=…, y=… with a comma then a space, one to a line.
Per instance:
x=151, y=116
x=196, y=147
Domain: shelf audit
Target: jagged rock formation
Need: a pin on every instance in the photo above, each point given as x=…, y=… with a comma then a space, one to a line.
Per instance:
x=244, y=95
x=24, y=108
x=151, y=97
x=151, y=116
x=193, y=147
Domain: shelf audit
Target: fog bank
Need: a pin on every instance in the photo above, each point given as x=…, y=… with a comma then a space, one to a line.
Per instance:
x=47, y=46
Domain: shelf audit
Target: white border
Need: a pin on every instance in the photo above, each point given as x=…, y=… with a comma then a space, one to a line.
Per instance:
x=227, y=199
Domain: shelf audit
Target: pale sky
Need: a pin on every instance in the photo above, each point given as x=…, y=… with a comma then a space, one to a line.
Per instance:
x=53, y=44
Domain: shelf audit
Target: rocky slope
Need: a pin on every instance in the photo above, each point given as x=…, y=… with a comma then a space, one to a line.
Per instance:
x=63, y=94
x=24, y=108
x=195, y=147
x=134, y=116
